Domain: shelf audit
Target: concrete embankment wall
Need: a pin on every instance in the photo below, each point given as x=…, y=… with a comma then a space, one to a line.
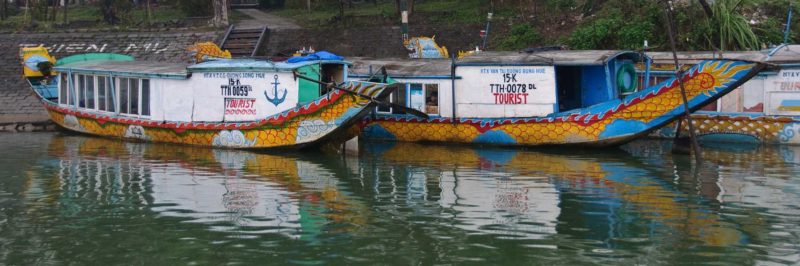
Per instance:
x=19, y=108
x=380, y=42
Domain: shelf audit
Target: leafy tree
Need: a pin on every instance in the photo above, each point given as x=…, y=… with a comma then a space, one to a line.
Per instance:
x=730, y=30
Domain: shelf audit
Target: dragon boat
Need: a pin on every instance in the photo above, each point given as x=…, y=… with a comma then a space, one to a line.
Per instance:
x=231, y=103
x=539, y=98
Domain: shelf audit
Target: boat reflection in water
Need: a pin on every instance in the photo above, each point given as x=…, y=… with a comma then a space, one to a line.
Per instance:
x=455, y=202
x=230, y=190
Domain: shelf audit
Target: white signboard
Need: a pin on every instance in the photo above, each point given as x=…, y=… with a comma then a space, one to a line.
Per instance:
x=505, y=91
x=784, y=97
x=241, y=96
x=789, y=81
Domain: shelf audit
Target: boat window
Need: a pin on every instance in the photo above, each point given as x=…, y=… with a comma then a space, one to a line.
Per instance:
x=432, y=98
x=81, y=91
x=397, y=97
x=71, y=91
x=111, y=101
x=145, y=97
x=102, y=103
x=63, y=95
x=124, y=95
x=417, y=97
x=90, y=92
x=134, y=96
x=384, y=109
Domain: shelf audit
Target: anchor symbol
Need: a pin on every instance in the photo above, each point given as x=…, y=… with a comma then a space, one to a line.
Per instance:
x=276, y=101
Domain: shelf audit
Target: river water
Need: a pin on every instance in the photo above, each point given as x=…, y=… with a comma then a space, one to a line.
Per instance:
x=79, y=200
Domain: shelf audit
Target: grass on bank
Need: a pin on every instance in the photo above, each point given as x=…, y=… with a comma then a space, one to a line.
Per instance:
x=89, y=17
x=434, y=11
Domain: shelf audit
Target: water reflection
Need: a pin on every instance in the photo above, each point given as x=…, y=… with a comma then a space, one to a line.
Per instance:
x=229, y=190
x=407, y=203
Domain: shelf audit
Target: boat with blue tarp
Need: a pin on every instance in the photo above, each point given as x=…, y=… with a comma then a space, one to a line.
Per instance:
x=232, y=103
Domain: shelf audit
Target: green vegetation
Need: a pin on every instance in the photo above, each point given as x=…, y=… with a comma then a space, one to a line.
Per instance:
x=520, y=37
x=101, y=14
x=614, y=28
x=196, y=8
x=579, y=24
x=731, y=29
x=517, y=24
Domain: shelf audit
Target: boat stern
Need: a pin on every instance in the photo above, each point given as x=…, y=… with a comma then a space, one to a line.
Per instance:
x=642, y=112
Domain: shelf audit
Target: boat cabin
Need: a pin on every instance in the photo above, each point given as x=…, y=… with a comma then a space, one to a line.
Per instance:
x=212, y=91
x=427, y=82
x=507, y=84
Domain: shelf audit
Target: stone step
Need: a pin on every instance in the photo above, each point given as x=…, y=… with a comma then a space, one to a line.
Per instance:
x=242, y=35
x=240, y=46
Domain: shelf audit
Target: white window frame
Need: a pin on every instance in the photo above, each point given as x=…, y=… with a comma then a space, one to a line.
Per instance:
x=117, y=101
x=438, y=99
x=108, y=93
x=63, y=86
x=87, y=79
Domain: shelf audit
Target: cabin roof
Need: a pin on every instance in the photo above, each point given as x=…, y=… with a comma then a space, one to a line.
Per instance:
x=697, y=56
x=254, y=65
x=784, y=54
x=401, y=68
x=151, y=69
x=142, y=69
x=556, y=57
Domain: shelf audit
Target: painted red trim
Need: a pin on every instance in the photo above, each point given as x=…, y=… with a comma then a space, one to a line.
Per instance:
x=180, y=127
x=581, y=119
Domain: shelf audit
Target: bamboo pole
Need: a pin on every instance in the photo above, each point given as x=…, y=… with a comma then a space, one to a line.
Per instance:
x=679, y=76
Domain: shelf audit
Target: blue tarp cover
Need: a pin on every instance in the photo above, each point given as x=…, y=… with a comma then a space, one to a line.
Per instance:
x=321, y=55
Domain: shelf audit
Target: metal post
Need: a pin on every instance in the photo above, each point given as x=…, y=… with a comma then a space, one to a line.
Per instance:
x=679, y=76
x=788, y=25
x=649, y=62
x=404, y=21
x=488, y=25
x=453, y=86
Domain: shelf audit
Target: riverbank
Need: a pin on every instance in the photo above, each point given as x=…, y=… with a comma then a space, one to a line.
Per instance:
x=27, y=124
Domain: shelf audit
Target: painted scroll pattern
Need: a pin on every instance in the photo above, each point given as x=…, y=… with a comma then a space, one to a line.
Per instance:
x=614, y=120
x=764, y=128
x=232, y=139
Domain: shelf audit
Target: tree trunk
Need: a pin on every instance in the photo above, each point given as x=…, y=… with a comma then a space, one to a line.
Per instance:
x=5, y=10
x=46, y=9
x=149, y=14
x=66, y=12
x=706, y=8
x=308, y=5
x=26, y=18
x=55, y=11
x=220, y=13
x=341, y=9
